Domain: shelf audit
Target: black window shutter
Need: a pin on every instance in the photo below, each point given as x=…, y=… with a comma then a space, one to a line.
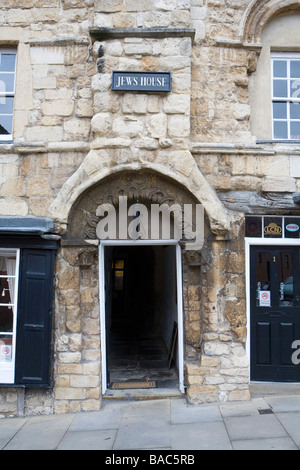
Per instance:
x=34, y=326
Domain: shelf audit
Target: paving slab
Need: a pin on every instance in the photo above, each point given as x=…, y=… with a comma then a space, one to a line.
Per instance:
x=182, y=413
x=3, y=443
x=230, y=410
x=164, y=424
x=8, y=428
x=254, y=427
x=88, y=440
x=141, y=433
x=291, y=422
x=200, y=436
x=284, y=404
x=250, y=408
x=107, y=418
x=277, y=443
x=155, y=408
x=41, y=433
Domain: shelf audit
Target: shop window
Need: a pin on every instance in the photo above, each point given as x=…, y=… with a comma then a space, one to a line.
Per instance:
x=286, y=96
x=26, y=288
x=9, y=268
x=272, y=227
x=7, y=92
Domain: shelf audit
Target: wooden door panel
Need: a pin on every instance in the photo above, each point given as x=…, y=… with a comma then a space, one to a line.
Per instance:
x=275, y=312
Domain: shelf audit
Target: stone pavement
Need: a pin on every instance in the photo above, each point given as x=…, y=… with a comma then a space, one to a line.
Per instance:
x=267, y=423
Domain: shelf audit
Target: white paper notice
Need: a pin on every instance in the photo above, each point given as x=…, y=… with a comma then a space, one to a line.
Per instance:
x=5, y=352
x=265, y=298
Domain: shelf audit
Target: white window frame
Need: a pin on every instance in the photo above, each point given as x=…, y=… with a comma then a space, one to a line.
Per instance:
x=7, y=369
x=102, y=298
x=288, y=57
x=9, y=137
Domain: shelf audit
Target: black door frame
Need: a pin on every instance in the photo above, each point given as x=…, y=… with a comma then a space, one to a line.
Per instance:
x=279, y=244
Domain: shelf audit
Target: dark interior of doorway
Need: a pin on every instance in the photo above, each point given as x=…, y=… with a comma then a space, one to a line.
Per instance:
x=141, y=311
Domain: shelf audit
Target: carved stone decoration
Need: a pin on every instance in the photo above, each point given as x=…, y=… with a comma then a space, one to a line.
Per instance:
x=261, y=12
x=145, y=186
x=192, y=257
x=86, y=258
x=91, y=222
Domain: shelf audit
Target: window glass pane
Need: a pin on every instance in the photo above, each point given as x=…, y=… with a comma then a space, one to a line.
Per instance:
x=280, y=88
x=119, y=264
x=295, y=89
x=6, y=104
x=7, y=82
x=6, y=291
x=6, y=318
x=118, y=274
x=7, y=278
x=295, y=130
x=286, y=98
x=285, y=273
x=295, y=69
x=253, y=227
x=263, y=279
x=6, y=348
x=7, y=307
x=7, y=62
x=280, y=68
x=272, y=227
x=295, y=110
x=6, y=123
x=280, y=110
x=292, y=227
x=280, y=130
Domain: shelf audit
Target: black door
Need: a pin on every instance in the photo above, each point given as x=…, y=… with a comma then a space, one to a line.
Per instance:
x=33, y=353
x=275, y=313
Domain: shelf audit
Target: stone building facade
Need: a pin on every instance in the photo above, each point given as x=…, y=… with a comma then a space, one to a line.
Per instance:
x=224, y=137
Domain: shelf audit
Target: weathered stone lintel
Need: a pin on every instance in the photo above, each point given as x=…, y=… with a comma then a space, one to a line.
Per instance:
x=260, y=148
x=65, y=41
x=251, y=202
x=79, y=243
x=228, y=148
x=220, y=42
x=195, y=147
x=32, y=224
x=43, y=147
x=101, y=34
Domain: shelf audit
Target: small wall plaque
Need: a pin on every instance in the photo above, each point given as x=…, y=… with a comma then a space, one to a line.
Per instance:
x=141, y=81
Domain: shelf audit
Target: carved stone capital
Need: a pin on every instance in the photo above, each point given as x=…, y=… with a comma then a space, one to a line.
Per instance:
x=86, y=258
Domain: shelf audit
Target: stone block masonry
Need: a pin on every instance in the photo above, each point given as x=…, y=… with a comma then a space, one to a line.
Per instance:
x=72, y=132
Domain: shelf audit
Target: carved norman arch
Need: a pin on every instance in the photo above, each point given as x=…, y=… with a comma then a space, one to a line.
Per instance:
x=260, y=13
x=146, y=187
x=179, y=168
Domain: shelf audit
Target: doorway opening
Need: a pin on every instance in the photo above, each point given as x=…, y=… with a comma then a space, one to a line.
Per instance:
x=274, y=312
x=142, y=314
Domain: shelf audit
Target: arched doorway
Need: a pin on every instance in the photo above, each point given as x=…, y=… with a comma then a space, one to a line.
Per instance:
x=140, y=280
x=141, y=314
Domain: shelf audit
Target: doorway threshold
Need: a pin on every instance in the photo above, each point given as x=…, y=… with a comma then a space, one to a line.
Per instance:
x=143, y=394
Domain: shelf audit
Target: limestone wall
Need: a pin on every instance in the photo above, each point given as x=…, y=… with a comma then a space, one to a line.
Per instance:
x=71, y=131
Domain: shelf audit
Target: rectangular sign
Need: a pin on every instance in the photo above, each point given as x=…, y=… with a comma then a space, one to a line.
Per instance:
x=5, y=353
x=265, y=298
x=141, y=81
